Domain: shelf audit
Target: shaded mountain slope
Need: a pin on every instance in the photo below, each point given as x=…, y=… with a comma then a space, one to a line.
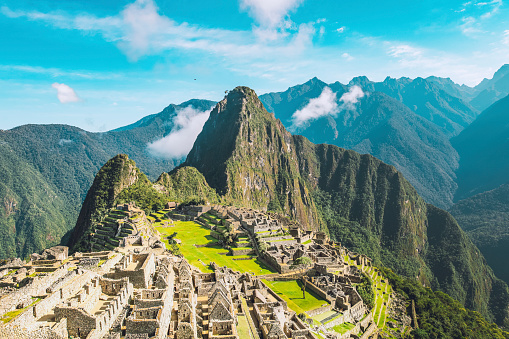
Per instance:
x=484, y=151
x=485, y=218
x=449, y=113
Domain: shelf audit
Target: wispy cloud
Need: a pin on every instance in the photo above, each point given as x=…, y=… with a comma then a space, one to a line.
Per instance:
x=505, y=38
x=56, y=72
x=347, y=56
x=140, y=30
x=65, y=94
x=352, y=96
x=326, y=104
x=188, y=123
x=478, y=13
x=270, y=13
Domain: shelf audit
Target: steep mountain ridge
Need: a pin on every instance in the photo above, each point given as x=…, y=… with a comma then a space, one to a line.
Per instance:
x=491, y=90
x=118, y=173
x=248, y=157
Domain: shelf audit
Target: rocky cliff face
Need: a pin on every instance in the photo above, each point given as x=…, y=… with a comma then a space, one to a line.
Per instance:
x=117, y=174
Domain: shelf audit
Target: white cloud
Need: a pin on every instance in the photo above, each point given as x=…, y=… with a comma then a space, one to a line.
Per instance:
x=496, y=6
x=351, y=97
x=325, y=104
x=321, y=32
x=347, y=56
x=404, y=51
x=65, y=93
x=269, y=13
x=188, y=123
x=340, y=29
x=505, y=39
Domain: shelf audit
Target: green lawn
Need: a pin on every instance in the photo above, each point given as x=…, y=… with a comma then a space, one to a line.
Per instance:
x=343, y=327
x=324, y=315
x=243, y=327
x=291, y=292
x=191, y=233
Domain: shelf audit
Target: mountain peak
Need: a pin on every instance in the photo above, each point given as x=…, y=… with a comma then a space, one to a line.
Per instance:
x=360, y=80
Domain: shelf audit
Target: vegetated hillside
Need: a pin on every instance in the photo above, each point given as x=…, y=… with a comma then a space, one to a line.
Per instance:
x=33, y=212
x=485, y=218
x=187, y=185
x=484, y=151
x=383, y=127
x=440, y=316
x=119, y=181
x=66, y=159
x=491, y=90
x=251, y=160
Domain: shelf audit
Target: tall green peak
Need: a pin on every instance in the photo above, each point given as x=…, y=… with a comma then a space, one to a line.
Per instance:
x=118, y=173
x=249, y=158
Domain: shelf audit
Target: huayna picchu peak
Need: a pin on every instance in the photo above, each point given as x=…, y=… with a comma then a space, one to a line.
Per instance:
x=257, y=234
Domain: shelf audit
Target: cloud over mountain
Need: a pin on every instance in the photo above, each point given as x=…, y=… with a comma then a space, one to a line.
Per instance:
x=65, y=93
x=187, y=125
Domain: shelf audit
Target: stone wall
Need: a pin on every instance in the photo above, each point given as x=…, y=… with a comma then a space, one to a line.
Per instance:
x=318, y=291
x=370, y=330
x=319, y=310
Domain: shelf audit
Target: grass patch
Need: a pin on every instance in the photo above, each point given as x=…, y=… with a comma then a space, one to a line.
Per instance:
x=191, y=233
x=343, y=327
x=291, y=292
x=243, y=327
x=324, y=315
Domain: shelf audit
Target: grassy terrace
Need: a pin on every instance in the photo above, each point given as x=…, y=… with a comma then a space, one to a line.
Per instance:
x=343, y=327
x=381, y=298
x=191, y=233
x=13, y=314
x=291, y=292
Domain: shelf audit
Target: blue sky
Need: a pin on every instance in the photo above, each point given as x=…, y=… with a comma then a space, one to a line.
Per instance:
x=104, y=64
